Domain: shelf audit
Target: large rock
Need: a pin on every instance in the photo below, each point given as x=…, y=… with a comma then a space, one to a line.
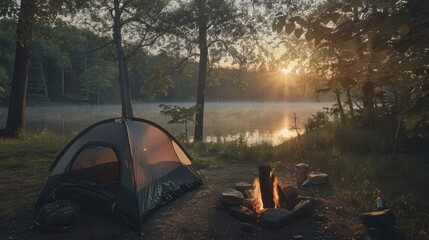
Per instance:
x=231, y=197
x=243, y=214
x=243, y=186
x=378, y=219
x=275, y=218
x=318, y=178
x=303, y=209
x=290, y=197
x=290, y=191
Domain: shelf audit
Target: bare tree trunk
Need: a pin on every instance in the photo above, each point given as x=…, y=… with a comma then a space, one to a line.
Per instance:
x=21, y=68
x=45, y=87
x=340, y=109
x=62, y=82
x=124, y=84
x=350, y=103
x=202, y=69
x=368, y=102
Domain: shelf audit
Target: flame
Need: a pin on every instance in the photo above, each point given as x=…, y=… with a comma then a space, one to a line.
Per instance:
x=258, y=205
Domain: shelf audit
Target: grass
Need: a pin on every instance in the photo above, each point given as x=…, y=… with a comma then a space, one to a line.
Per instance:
x=359, y=164
x=23, y=164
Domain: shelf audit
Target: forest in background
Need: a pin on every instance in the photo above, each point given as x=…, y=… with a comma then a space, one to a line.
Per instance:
x=65, y=69
x=370, y=57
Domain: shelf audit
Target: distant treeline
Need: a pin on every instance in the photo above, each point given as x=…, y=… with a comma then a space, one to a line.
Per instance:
x=69, y=65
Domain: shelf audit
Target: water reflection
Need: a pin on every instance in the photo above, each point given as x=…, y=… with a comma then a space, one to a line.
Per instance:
x=255, y=137
x=254, y=122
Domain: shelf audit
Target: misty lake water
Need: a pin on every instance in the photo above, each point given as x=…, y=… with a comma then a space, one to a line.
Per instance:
x=256, y=122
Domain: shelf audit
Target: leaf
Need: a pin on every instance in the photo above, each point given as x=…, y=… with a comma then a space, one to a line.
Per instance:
x=318, y=39
x=301, y=22
x=325, y=19
x=279, y=27
x=309, y=36
x=356, y=3
x=347, y=8
x=404, y=30
x=274, y=25
x=298, y=32
x=293, y=19
x=289, y=28
x=334, y=17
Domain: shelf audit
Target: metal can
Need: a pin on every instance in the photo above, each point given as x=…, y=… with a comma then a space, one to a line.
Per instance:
x=380, y=203
x=301, y=171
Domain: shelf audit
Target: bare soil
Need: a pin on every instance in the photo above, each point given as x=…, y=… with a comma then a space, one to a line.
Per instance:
x=198, y=215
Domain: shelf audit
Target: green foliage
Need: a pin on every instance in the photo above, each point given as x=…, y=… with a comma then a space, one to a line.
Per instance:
x=318, y=120
x=98, y=78
x=4, y=82
x=180, y=115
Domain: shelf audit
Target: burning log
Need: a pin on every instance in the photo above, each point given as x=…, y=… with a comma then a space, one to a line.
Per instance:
x=266, y=179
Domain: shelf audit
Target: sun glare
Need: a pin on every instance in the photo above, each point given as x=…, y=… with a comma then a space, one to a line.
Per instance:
x=286, y=70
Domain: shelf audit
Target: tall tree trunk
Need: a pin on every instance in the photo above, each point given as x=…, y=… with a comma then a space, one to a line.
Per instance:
x=340, y=109
x=45, y=86
x=202, y=69
x=62, y=82
x=124, y=84
x=21, y=68
x=368, y=103
x=350, y=103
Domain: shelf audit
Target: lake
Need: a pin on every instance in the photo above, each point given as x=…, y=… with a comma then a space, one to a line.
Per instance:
x=255, y=121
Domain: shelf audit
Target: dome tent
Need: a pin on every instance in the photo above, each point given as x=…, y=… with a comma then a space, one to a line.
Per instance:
x=131, y=165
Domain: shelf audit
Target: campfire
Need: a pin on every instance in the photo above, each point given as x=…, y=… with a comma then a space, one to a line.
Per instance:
x=266, y=202
x=265, y=190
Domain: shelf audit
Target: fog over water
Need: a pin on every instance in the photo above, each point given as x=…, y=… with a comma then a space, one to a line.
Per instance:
x=255, y=121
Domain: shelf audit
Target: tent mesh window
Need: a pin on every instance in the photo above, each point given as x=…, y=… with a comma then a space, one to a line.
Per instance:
x=97, y=164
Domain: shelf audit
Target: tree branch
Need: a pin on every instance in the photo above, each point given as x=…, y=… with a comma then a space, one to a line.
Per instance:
x=98, y=48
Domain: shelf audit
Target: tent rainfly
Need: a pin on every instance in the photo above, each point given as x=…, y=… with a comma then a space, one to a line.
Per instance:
x=131, y=166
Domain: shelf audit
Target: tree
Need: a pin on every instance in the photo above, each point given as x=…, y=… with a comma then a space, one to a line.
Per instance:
x=380, y=33
x=214, y=29
x=29, y=13
x=134, y=25
x=180, y=115
x=17, y=99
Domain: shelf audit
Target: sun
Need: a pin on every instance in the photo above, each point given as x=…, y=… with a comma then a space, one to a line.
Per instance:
x=286, y=70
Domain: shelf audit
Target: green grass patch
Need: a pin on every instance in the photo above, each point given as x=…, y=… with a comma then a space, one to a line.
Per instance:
x=24, y=163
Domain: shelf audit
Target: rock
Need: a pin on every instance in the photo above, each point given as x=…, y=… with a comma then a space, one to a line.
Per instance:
x=248, y=193
x=275, y=218
x=318, y=178
x=246, y=227
x=378, y=219
x=358, y=236
x=319, y=217
x=298, y=237
x=303, y=198
x=303, y=209
x=290, y=191
x=289, y=197
x=248, y=202
x=243, y=186
x=243, y=214
x=231, y=197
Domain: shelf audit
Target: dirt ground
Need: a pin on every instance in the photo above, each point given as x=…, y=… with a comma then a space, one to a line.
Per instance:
x=198, y=215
